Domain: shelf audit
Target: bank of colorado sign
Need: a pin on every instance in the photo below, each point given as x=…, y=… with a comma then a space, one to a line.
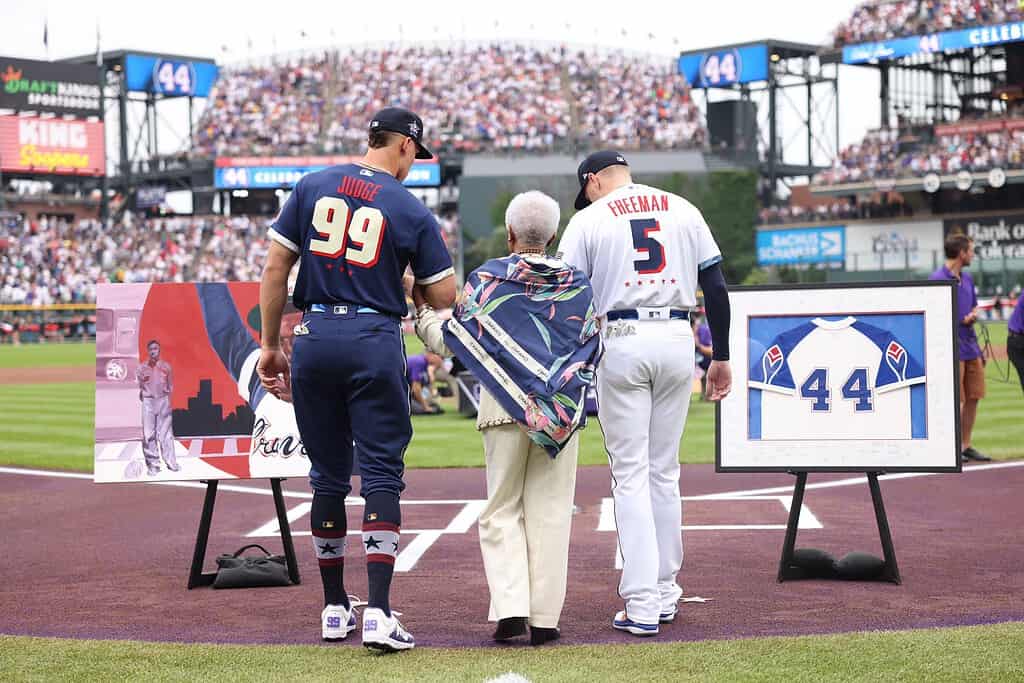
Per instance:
x=995, y=236
x=30, y=144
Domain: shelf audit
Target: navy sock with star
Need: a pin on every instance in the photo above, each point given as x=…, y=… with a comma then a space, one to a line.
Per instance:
x=381, y=527
x=329, y=527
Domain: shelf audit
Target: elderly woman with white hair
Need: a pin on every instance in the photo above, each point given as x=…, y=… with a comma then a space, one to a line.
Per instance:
x=526, y=328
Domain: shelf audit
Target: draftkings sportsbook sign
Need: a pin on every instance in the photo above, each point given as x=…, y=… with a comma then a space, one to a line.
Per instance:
x=54, y=87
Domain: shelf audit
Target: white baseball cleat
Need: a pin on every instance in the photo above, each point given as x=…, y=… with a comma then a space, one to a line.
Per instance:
x=337, y=622
x=623, y=623
x=384, y=633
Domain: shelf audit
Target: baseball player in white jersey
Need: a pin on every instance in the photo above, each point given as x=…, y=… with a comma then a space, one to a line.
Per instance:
x=645, y=250
x=156, y=382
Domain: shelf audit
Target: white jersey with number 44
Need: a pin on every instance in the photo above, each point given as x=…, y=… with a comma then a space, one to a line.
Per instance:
x=641, y=247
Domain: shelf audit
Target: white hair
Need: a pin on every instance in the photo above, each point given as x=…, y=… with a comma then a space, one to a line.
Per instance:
x=533, y=217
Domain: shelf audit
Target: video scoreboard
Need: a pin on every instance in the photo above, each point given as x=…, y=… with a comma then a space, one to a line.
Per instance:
x=725, y=67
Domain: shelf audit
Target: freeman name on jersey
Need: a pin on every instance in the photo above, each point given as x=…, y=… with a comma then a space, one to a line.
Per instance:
x=638, y=204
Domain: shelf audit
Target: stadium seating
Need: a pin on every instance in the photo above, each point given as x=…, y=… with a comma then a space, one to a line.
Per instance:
x=977, y=145
x=887, y=19
x=508, y=98
x=56, y=262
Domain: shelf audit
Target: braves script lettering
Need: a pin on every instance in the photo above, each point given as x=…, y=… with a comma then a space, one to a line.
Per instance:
x=271, y=447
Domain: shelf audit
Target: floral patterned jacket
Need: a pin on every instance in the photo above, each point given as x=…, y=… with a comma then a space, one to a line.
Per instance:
x=526, y=328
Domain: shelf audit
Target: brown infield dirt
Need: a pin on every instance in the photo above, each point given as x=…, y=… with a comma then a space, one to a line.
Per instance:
x=83, y=560
x=48, y=374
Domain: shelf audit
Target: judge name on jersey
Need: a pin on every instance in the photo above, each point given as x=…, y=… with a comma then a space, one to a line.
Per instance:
x=836, y=379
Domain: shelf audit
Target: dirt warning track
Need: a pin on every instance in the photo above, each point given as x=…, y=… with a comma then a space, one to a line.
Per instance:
x=111, y=561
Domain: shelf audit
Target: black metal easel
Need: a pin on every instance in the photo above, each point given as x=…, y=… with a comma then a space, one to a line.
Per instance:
x=197, y=577
x=787, y=570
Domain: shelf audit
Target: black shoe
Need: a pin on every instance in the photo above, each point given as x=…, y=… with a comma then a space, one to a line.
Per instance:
x=511, y=627
x=964, y=458
x=539, y=636
x=971, y=454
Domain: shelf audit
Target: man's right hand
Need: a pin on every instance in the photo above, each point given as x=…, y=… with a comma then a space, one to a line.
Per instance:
x=719, y=380
x=274, y=372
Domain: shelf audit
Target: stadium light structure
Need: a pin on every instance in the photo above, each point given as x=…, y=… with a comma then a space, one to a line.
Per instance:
x=144, y=84
x=770, y=104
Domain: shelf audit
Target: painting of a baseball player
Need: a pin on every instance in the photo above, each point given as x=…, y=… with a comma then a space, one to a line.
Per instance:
x=156, y=382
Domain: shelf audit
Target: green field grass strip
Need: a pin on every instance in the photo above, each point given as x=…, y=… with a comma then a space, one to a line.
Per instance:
x=47, y=355
x=968, y=653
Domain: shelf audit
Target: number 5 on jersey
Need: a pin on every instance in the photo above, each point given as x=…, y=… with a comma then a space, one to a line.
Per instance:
x=361, y=231
x=648, y=246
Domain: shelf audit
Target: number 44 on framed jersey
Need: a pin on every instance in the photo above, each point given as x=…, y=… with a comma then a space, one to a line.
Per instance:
x=842, y=378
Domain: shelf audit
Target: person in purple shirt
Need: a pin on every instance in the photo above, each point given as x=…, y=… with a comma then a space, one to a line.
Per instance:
x=1015, y=338
x=959, y=250
x=420, y=375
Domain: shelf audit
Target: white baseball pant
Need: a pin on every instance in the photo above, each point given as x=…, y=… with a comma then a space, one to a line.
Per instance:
x=644, y=385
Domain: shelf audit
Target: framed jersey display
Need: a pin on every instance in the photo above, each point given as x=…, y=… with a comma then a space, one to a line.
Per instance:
x=842, y=377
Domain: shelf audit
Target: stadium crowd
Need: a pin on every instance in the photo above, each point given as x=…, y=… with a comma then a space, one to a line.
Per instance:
x=265, y=110
x=876, y=20
x=884, y=154
x=498, y=98
x=54, y=261
x=882, y=207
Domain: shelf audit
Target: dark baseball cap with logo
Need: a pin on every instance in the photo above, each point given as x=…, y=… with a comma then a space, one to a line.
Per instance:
x=398, y=120
x=596, y=162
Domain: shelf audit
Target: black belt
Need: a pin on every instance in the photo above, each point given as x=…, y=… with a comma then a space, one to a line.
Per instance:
x=1015, y=334
x=649, y=314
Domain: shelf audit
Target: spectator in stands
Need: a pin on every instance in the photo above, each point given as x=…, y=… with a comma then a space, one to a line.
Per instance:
x=1015, y=338
x=959, y=249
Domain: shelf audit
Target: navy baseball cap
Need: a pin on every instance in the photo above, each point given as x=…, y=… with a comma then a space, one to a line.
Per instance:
x=398, y=120
x=598, y=161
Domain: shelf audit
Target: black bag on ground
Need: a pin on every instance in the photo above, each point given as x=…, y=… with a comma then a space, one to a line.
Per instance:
x=236, y=571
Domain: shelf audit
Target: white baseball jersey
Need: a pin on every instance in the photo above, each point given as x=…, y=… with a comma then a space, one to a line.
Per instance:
x=842, y=379
x=641, y=247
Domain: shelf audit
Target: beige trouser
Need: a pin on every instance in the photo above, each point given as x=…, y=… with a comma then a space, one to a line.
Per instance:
x=524, y=529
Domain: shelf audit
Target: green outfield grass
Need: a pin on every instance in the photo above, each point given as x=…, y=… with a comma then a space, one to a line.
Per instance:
x=970, y=653
x=37, y=355
x=51, y=425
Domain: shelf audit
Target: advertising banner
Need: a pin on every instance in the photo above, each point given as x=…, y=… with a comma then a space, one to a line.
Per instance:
x=51, y=87
x=30, y=144
x=995, y=236
x=177, y=397
x=254, y=173
x=946, y=41
x=823, y=245
x=914, y=245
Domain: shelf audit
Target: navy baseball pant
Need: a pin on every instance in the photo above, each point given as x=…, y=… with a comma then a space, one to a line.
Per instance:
x=349, y=385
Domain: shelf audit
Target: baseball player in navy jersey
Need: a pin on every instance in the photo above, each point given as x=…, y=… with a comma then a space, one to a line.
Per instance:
x=356, y=229
x=645, y=251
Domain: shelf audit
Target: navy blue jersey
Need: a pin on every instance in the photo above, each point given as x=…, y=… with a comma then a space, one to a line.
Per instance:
x=355, y=231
